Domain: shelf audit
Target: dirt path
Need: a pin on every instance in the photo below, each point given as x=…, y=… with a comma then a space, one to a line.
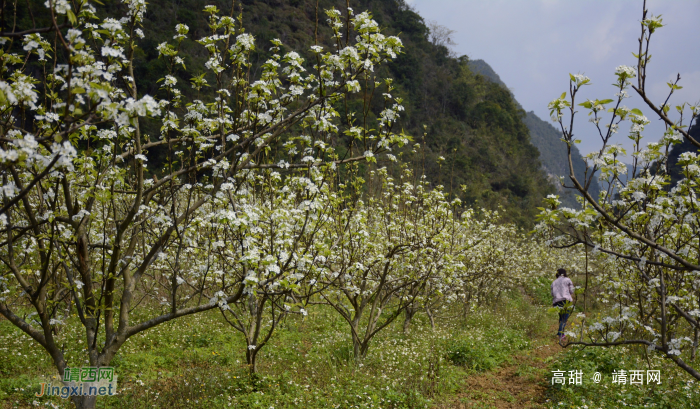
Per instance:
x=519, y=385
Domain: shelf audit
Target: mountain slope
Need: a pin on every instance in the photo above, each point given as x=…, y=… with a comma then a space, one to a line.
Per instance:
x=555, y=159
x=547, y=139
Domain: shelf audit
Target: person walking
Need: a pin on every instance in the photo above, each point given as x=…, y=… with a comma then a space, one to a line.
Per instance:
x=562, y=291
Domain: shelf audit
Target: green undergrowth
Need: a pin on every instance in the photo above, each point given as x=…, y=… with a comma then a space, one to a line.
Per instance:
x=501, y=334
x=198, y=362
x=540, y=290
x=463, y=351
x=676, y=391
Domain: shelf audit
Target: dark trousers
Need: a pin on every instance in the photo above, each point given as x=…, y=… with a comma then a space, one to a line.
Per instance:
x=563, y=317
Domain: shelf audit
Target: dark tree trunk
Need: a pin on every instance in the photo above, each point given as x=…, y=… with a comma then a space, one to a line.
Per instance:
x=408, y=316
x=430, y=317
x=250, y=356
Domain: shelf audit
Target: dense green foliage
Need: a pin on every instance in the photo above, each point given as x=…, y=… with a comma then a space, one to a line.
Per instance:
x=547, y=139
x=469, y=135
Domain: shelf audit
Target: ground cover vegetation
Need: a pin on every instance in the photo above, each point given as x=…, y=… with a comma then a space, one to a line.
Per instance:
x=198, y=362
x=677, y=389
x=267, y=234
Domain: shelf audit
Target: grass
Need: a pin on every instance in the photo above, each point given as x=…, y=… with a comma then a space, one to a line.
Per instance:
x=199, y=362
x=677, y=390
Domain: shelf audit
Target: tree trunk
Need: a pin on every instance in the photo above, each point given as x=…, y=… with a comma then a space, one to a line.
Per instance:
x=252, y=336
x=585, y=289
x=430, y=317
x=466, y=305
x=356, y=350
x=409, y=312
x=359, y=347
x=250, y=356
x=364, y=347
x=356, y=343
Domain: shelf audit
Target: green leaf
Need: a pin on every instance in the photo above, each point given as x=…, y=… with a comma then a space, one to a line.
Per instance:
x=71, y=17
x=636, y=111
x=605, y=101
x=563, y=95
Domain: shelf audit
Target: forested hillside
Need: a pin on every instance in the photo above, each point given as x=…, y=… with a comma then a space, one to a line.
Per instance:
x=547, y=140
x=474, y=124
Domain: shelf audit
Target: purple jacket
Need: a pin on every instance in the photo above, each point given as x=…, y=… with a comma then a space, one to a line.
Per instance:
x=562, y=290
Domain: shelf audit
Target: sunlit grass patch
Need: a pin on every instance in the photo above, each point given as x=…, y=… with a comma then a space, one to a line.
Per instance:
x=676, y=391
x=199, y=362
